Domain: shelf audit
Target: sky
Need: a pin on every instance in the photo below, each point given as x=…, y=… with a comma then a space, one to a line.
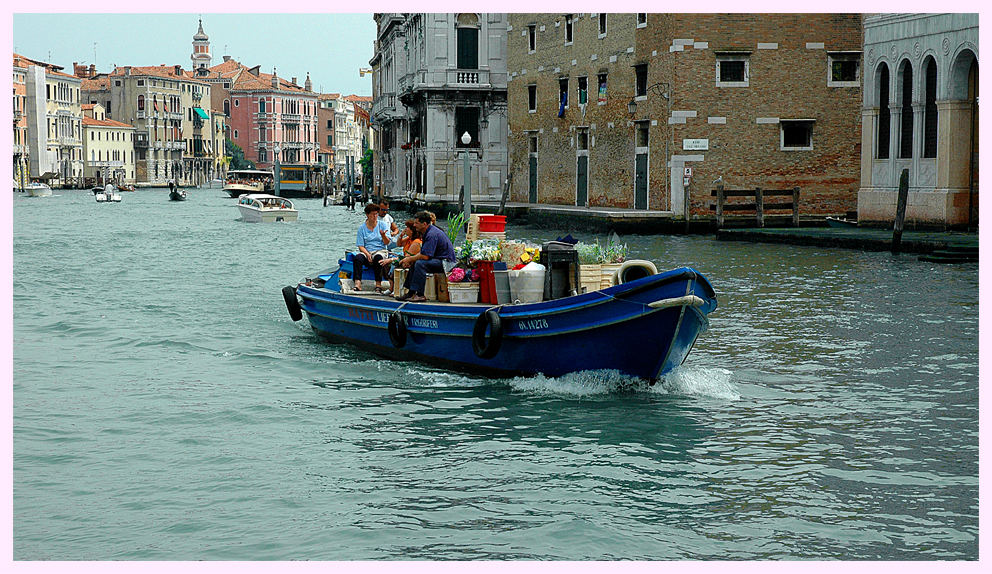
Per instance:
x=331, y=47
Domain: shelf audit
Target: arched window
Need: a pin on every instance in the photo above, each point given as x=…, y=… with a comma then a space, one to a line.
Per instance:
x=930, y=108
x=227, y=108
x=141, y=103
x=884, y=114
x=467, y=30
x=261, y=106
x=906, y=122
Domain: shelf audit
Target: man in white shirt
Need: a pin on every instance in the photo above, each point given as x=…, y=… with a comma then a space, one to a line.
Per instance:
x=386, y=218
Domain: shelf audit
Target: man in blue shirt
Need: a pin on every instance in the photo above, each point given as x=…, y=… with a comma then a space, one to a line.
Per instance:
x=436, y=249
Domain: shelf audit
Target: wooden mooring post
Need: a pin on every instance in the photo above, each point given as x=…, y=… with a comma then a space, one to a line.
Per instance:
x=900, y=211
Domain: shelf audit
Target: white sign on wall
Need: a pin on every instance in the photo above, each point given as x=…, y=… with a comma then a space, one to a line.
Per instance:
x=695, y=144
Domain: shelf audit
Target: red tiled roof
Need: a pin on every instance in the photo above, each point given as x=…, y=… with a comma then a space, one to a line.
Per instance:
x=354, y=98
x=325, y=97
x=88, y=106
x=168, y=72
x=104, y=123
x=95, y=84
x=23, y=62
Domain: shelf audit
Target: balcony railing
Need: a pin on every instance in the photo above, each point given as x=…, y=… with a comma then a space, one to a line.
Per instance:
x=158, y=145
x=291, y=118
x=468, y=77
x=141, y=141
x=140, y=114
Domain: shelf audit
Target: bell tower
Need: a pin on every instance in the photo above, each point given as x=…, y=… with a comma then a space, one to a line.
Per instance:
x=201, y=49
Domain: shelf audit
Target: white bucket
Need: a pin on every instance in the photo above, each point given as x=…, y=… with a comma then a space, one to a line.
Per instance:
x=464, y=292
x=526, y=286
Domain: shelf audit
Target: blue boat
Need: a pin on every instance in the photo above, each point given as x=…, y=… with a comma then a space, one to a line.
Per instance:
x=643, y=328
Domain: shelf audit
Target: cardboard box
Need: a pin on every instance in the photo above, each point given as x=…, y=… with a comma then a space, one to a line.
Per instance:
x=441, y=281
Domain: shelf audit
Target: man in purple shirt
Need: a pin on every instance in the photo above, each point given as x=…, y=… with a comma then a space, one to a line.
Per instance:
x=436, y=249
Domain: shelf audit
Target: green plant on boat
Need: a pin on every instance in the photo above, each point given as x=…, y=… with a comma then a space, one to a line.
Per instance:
x=455, y=223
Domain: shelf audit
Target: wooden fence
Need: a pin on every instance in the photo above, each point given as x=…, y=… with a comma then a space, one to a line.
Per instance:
x=758, y=205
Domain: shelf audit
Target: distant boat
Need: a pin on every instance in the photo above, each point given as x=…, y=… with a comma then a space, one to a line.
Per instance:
x=242, y=181
x=106, y=194
x=263, y=208
x=37, y=189
x=125, y=187
x=841, y=222
x=177, y=195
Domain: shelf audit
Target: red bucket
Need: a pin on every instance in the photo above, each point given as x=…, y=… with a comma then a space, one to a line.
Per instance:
x=492, y=223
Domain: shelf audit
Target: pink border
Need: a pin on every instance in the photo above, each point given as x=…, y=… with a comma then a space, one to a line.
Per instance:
x=312, y=6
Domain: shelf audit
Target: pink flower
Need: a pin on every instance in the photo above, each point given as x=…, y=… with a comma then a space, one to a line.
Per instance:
x=475, y=275
x=457, y=274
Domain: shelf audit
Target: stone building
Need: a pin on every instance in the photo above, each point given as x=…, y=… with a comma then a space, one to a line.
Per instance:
x=54, y=123
x=920, y=114
x=20, y=134
x=610, y=109
x=108, y=147
x=436, y=77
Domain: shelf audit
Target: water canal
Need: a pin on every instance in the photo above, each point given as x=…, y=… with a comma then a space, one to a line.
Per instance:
x=167, y=408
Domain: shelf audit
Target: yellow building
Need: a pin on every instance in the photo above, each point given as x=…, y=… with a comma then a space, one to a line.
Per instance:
x=108, y=147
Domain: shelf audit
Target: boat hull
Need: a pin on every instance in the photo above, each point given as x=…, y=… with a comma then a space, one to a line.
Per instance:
x=39, y=191
x=267, y=215
x=236, y=190
x=613, y=329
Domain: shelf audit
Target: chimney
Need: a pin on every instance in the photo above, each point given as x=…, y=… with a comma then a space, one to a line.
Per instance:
x=92, y=70
x=308, y=85
x=275, y=80
x=127, y=70
x=294, y=80
x=226, y=58
x=179, y=70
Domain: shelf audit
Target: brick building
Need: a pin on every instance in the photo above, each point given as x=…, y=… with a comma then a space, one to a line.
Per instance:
x=609, y=109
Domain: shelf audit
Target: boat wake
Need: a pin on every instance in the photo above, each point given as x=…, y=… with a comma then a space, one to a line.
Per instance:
x=694, y=381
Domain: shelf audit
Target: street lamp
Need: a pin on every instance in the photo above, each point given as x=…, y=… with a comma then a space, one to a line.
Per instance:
x=467, y=208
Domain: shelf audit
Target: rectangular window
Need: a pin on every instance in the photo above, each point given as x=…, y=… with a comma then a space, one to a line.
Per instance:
x=602, y=24
x=467, y=120
x=732, y=70
x=531, y=38
x=568, y=29
x=563, y=93
x=468, y=48
x=533, y=144
x=844, y=68
x=796, y=135
x=582, y=139
x=141, y=82
x=602, y=87
x=642, y=134
x=641, y=80
x=642, y=19
x=330, y=139
x=532, y=98
x=583, y=90
x=330, y=124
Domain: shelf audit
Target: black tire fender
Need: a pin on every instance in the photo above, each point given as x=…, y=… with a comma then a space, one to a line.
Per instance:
x=397, y=329
x=292, y=303
x=487, y=348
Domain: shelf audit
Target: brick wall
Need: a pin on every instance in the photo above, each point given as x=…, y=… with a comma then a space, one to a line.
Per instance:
x=788, y=70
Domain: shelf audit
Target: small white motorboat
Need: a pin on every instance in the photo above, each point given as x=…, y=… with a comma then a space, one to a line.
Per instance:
x=37, y=189
x=106, y=194
x=263, y=208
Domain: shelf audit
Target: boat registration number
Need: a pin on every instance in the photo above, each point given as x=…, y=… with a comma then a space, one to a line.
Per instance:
x=532, y=325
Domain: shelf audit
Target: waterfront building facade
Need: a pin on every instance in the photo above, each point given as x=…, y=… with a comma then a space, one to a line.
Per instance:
x=648, y=111
x=273, y=117
x=920, y=115
x=20, y=136
x=108, y=147
x=326, y=133
x=54, y=123
x=436, y=77
x=166, y=107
